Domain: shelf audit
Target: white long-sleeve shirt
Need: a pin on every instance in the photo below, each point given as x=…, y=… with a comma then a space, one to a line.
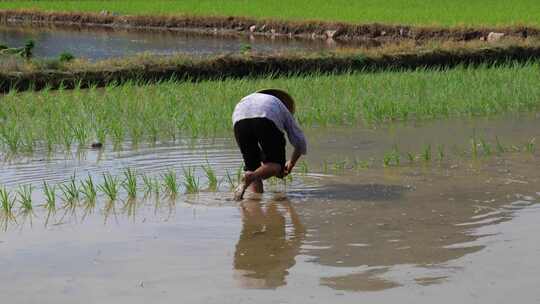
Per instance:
x=259, y=105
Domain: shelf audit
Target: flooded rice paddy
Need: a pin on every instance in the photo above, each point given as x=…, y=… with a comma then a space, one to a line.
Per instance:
x=461, y=229
x=102, y=43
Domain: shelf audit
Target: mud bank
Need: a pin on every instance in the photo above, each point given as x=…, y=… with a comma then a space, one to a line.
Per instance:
x=237, y=66
x=241, y=25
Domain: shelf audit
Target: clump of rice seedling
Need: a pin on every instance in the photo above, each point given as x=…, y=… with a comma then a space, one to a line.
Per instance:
x=191, y=182
x=530, y=145
x=426, y=153
x=303, y=167
x=25, y=198
x=130, y=183
x=70, y=192
x=440, y=152
x=7, y=202
x=170, y=182
x=499, y=146
x=340, y=165
x=211, y=176
x=361, y=164
x=50, y=196
x=486, y=147
x=109, y=186
x=411, y=157
x=392, y=158
x=151, y=184
x=88, y=189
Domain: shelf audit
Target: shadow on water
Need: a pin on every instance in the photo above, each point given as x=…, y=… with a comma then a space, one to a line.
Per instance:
x=335, y=191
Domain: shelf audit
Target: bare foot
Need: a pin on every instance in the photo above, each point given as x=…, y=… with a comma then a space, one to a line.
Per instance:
x=241, y=189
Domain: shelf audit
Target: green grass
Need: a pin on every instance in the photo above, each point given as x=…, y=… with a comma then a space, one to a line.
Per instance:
x=172, y=110
x=421, y=12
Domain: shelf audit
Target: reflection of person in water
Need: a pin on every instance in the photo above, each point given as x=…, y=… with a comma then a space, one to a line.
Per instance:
x=268, y=244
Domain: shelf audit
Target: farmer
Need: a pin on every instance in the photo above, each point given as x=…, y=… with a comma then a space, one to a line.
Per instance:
x=259, y=121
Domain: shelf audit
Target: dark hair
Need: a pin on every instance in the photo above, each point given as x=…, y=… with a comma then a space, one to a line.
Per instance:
x=283, y=96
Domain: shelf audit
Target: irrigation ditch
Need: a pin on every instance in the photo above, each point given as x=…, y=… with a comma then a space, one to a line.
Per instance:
x=247, y=65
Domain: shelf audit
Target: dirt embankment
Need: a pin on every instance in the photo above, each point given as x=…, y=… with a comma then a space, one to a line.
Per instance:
x=256, y=66
x=240, y=25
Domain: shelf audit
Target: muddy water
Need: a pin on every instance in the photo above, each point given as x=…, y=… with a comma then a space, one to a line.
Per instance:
x=456, y=231
x=98, y=43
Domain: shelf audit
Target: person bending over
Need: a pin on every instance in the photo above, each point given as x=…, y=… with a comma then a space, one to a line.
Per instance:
x=259, y=121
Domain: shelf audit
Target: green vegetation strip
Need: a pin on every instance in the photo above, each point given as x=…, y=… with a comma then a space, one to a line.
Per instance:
x=65, y=119
x=413, y=12
x=55, y=74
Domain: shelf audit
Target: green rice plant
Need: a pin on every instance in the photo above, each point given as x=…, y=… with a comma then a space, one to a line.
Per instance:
x=50, y=196
x=130, y=183
x=426, y=153
x=303, y=168
x=389, y=12
x=151, y=184
x=411, y=157
x=7, y=201
x=89, y=190
x=191, y=182
x=499, y=146
x=230, y=179
x=170, y=182
x=211, y=177
x=530, y=145
x=25, y=198
x=392, y=158
x=70, y=192
x=340, y=166
x=110, y=186
x=486, y=147
x=440, y=152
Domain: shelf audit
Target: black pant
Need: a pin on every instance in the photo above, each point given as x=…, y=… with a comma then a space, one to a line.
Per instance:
x=260, y=141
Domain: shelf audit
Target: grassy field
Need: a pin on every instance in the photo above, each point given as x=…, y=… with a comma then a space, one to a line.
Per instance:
x=61, y=120
x=413, y=12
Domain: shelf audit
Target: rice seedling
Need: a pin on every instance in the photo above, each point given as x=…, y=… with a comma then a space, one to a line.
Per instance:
x=440, y=152
x=325, y=166
x=130, y=183
x=530, y=145
x=411, y=157
x=213, y=183
x=7, y=201
x=303, y=168
x=191, y=182
x=50, y=196
x=170, y=182
x=89, y=190
x=426, y=153
x=151, y=184
x=70, y=192
x=230, y=179
x=25, y=198
x=109, y=186
x=392, y=158
x=499, y=146
x=486, y=147
x=340, y=166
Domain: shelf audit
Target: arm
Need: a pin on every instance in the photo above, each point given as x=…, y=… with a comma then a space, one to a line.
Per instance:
x=297, y=139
